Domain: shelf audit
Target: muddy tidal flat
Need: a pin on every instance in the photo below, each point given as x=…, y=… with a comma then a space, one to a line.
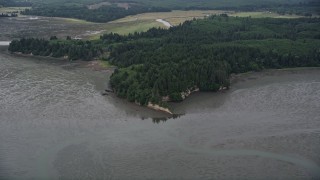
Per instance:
x=44, y=27
x=54, y=124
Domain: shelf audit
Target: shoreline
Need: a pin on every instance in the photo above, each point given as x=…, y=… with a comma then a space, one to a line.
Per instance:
x=20, y=54
x=159, y=108
x=97, y=65
x=236, y=78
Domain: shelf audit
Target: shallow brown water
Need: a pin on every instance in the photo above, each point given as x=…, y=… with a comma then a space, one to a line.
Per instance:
x=54, y=123
x=45, y=27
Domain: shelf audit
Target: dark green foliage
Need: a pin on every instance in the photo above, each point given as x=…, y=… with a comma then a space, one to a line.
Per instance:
x=14, y=3
x=203, y=54
x=53, y=38
x=74, y=49
x=8, y=15
x=78, y=8
x=175, y=97
x=302, y=8
x=102, y=14
x=196, y=54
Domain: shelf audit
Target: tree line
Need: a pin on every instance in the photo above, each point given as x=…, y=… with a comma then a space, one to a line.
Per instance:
x=14, y=3
x=8, y=15
x=71, y=49
x=102, y=14
x=203, y=53
x=106, y=13
x=164, y=64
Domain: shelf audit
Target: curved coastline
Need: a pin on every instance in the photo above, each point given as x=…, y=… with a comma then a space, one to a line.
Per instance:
x=234, y=78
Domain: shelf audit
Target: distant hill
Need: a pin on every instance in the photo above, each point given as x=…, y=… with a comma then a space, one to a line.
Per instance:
x=13, y=3
x=105, y=11
x=179, y=4
x=182, y=4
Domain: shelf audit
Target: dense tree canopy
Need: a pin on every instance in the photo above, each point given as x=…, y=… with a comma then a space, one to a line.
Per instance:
x=102, y=14
x=161, y=64
x=14, y=3
x=203, y=54
x=8, y=15
x=72, y=49
x=111, y=10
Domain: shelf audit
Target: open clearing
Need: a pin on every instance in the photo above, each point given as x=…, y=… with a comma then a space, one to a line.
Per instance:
x=174, y=17
x=263, y=14
x=26, y=26
x=44, y=27
x=177, y=17
x=98, y=5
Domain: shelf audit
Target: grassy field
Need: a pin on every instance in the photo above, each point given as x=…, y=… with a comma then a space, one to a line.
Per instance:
x=132, y=26
x=46, y=26
x=263, y=14
x=126, y=27
x=178, y=4
x=177, y=17
x=75, y=21
x=173, y=17
x=143, y=22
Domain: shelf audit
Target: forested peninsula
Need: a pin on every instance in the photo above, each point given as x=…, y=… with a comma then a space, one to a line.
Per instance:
x=167, y=65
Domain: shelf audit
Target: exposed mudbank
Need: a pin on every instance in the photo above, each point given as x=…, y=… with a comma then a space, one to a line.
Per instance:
x=159, y=108
x=5, y=43
x=250, y=131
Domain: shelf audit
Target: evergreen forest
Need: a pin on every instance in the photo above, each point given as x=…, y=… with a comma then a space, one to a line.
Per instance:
x=198, y=54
